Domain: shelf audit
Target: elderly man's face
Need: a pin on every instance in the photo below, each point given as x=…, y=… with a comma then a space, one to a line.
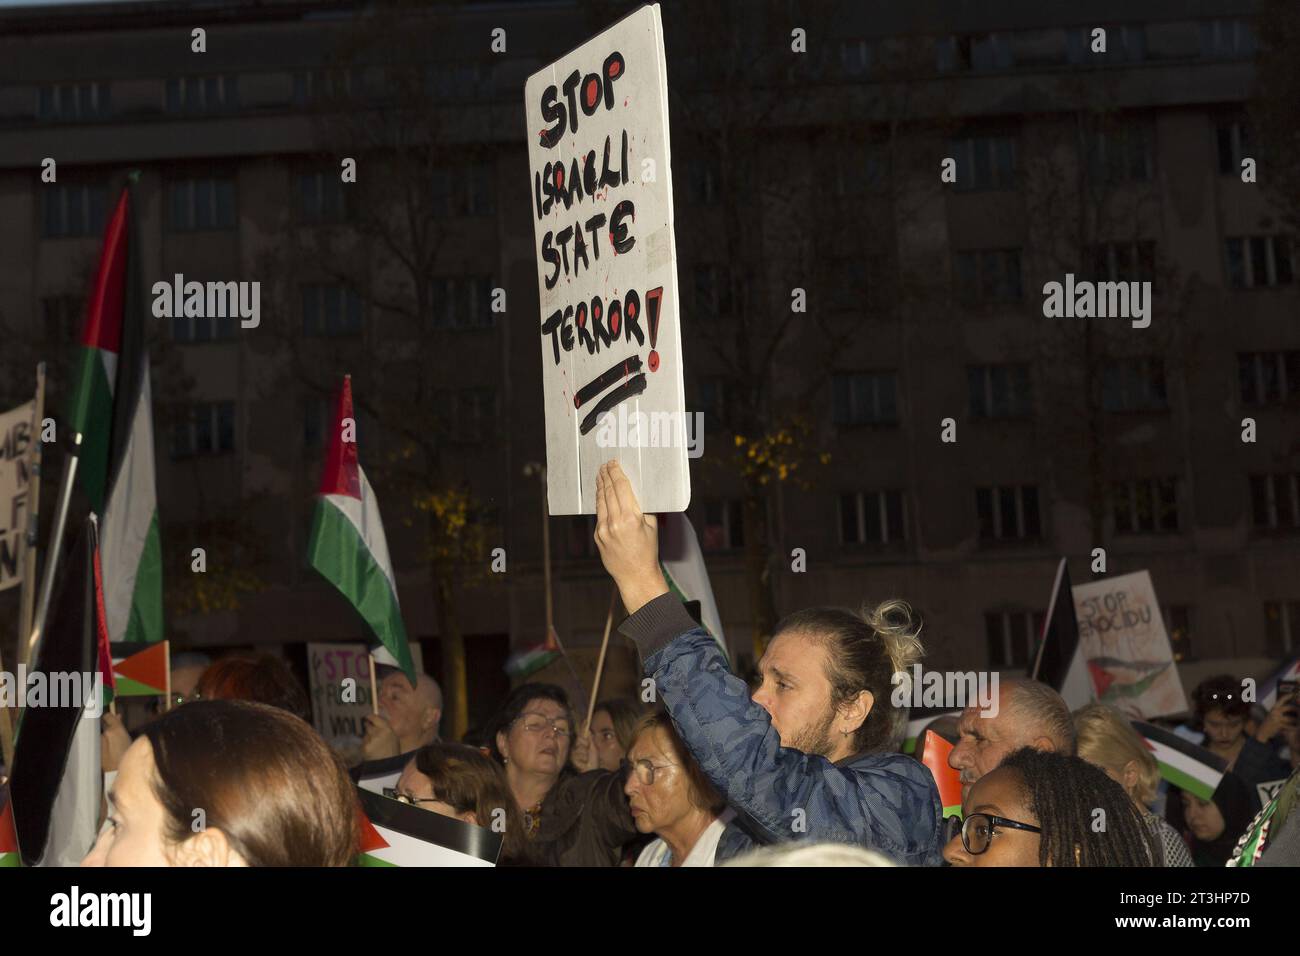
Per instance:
x=656, y=806
x=401, y=706
x=984, y=742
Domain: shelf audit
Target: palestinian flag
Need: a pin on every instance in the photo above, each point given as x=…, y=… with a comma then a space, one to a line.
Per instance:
x=682, y=563
x=8, y=835
x=141, y=670
x=111, y=410
x=1059, y=661
x=935, y=756
x=56, y=781
x=348, y=546
x=1183, y=763
x=918, y=721
x=521, y=664
x=399, y=834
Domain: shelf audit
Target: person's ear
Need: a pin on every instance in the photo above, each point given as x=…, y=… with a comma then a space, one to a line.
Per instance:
x=854, y=713
x=1043, y=743
x=208, y=847
x=1130, y=775
x=503, y=746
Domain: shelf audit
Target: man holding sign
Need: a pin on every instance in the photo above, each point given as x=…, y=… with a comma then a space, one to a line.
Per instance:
x=811, y=756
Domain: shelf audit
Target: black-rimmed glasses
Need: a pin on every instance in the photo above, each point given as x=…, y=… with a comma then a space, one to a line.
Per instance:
x=977, y=830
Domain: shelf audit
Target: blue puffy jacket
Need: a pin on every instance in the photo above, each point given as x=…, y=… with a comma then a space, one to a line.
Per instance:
x=885, y=802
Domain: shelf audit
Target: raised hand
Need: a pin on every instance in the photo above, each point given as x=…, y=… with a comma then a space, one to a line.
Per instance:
x=628, y=540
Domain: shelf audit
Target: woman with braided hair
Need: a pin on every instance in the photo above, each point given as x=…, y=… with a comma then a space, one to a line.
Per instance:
x=1048, y=809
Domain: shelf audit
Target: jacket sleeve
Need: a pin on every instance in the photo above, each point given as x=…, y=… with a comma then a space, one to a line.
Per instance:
x=891, y=806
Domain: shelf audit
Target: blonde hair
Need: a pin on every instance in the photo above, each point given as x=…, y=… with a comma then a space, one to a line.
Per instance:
x=1106, y=738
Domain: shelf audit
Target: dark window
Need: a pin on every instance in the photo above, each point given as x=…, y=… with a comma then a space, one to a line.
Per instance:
x=330, y=309
x=999, y=391
x=462, y=302
x=1145, y=506
x=1008, y=513
x=207, y=428
x=865, y=398
x=989, y=275
x=1275, y=502
x=1121, y=153
x=1228, y=39
x=1134, y=385
x=985, y=162
x=202, y=203
x=73, y=210
x=723, y=527
x=872, y=517
x=1259, y=261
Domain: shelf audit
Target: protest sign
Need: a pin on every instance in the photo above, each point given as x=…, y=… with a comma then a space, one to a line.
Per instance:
x=338, y=713
x=602, y=202
x=398, y=834
x=1123, y=642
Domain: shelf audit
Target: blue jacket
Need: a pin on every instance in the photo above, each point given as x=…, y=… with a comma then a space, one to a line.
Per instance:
x=885, y=802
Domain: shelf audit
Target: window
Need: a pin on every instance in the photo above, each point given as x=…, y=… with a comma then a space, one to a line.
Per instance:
x=1012, y=637
x=872, y=517
x=999, y=391
x=1178, y=627
x=1281, y=628
x=580, y=537
x=464, y=190
x=467, y=414
x=1230, y=39
x=1125, y=43
x=325, y=85
x=202, y=328
x=1236, y=142
x=985, y=162
x=73, y=101
x=1268, y=378
x=704, y=180
x=207, y=428
x=713, y=289
x=979, y=53
x=1134, y=385
x=1124, y=261
x=723, y=526
x=62, y=316
x=1259, y=261
x=322, y=197
x=1121, y=153
x=856, y=57
x=989, y=275
x=330, y=309
x=1008, y=513
x=1145, y=506
x=74, y=210
x=201, y=203
x=462, y=302
x=201, y=94
x=1275, y=502
x=865, y=398
x=713, y=399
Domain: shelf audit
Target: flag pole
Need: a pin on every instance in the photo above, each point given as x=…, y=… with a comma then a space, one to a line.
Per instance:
x=28, y=595
x=374, y=687
x=167, y=662
x=600, y=662
x=56, y=546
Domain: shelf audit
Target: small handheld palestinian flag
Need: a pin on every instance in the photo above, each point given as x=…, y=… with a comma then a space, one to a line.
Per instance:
x=8, y=835
x=521, y=664
x=934, y=755
x=399, y=834
x=1183, y=763
x=348, y=546
x=141, y=669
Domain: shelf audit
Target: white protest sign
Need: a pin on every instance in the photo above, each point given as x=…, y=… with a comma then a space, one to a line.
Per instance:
x=601, y=195
x=338, y=720
x=16, y=438
x=1123, y=642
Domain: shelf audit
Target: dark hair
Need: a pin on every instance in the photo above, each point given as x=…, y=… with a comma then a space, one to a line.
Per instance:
x=263, y=678
x=262, y=777
x=472, y=783
x=700, y=789
x=1221, y=692
x=1062, y=792
x=624, y=715
x=514, y=705
x=864, y=650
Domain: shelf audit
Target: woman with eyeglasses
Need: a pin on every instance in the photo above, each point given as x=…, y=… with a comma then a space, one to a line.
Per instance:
x=570, y=818
x=459, y=781
x=670, y=796
x=1047, y=809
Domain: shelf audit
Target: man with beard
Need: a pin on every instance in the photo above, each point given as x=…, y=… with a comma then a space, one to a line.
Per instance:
x=1029, y=714
x=812, y=756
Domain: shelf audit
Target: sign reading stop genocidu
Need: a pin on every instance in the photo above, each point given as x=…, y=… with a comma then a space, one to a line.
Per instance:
x=602, y=201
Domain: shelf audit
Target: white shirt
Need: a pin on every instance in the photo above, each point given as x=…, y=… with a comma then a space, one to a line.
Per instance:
x=657, y=853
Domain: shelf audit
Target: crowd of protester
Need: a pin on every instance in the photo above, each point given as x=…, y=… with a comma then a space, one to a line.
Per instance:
x=801, y=767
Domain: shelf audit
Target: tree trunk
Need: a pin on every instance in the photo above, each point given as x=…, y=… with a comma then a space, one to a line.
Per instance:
x=455, y=690
x=762, y=603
